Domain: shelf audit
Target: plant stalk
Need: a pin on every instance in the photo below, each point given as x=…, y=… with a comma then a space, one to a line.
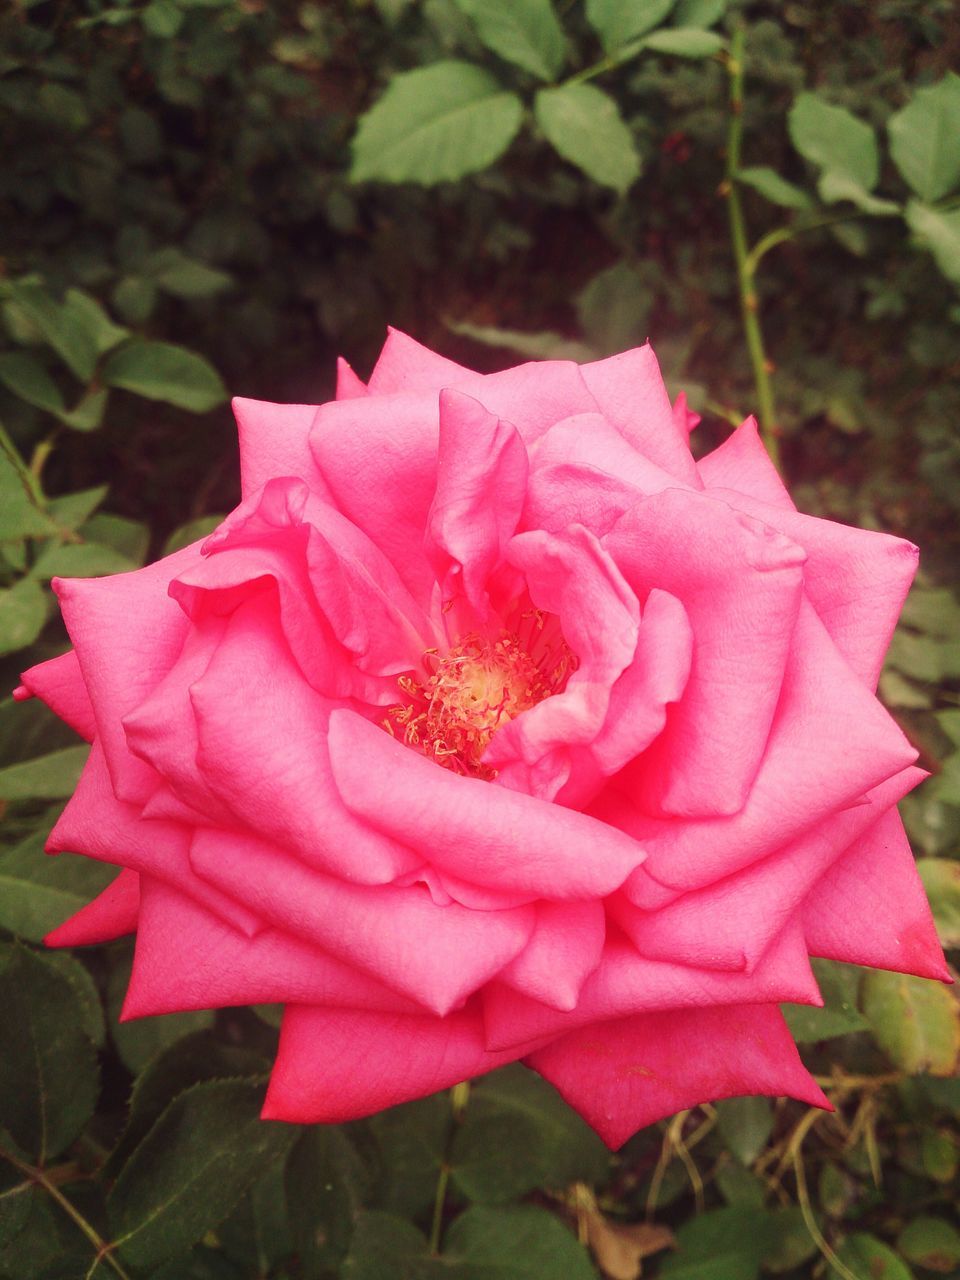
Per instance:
x=459, y=1097
x=767, y=413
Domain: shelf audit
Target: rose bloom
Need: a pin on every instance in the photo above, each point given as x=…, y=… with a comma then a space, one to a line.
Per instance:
x=492, y=726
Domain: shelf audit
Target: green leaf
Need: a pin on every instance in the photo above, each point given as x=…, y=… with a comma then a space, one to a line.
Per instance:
x=192, y=531
x=435, y=124
x=164, y=371
x=685, y=42
x=204, y=1152
x=389, y=1248
x=412, y=1141
x=914, y=1020
x=838, y=985
x=518, y=1134
x=21, y=515
x=79, y=560
x=184, y=277
x=326, y=1183
x=162, y=19
x=724, y=1244
x=940, y=233
x=71, y=509
x=87, y=315
x=24, y=375
x=925, y=139
x=834, y=187
x=49, y=1085
x=63, y=106
x=699, y=13
x=613, y=308
x=38, y=891
x=23, y=611
x=788, y=1240
x=523, y=1243
x=768, y=183
x=86, y=993
x=835, y=140
x=541, y=345
x=525, y=32
x=941, y=879
x=867, y=1256
x=584, y=125
x=49, y=777
x=87, y=413
x=141, y=1040
x=619, y=21
x=931, y=1243
x=75, y=344
x=745, y=1125
x=188, y=1061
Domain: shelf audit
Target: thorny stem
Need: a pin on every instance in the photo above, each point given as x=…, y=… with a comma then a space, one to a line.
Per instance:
x=459, y=1097
x=104, y=1251
x=745, y=272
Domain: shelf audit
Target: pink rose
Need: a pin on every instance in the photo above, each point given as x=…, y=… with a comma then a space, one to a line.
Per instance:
x=492, y=726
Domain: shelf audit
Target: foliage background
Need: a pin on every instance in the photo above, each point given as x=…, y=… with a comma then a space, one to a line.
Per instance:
x=201, y=194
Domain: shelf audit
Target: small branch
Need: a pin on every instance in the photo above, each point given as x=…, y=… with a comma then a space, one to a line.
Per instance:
x=459, y=1097
x=104, y=1251
x=767, y=413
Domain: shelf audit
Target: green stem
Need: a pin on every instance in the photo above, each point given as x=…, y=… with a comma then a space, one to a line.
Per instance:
x=41, y=1179
x=459, y=1097
x=782, y=234
x=767, y=412
x=27, y=478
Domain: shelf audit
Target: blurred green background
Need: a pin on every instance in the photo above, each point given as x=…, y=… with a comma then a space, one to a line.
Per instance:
x=207, y=194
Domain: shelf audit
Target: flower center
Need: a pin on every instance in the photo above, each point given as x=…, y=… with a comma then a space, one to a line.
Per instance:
x=471, y=692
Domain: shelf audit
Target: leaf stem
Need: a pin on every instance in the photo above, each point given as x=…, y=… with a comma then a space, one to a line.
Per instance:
x=44, y=1180
x=459, y=1097
x=738, y=237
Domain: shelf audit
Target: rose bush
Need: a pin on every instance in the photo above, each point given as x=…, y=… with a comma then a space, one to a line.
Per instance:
x=491, y=726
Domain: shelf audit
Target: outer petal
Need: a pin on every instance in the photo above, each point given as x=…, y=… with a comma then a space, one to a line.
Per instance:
x=831, y=743
x=856, y=579
x=188, y=958
x=111, y=914
x=349, y=386
x=127, y=633
x=97, y=824
x=629, y=391
x=743, y=465
x=334, y=1065
x=740, y=583
x=481, y=481
x=274, y=441
x=405, y=365
x=436, y=955
x=59, y=683
x=626, y=983
x=730, y=924
x=871, y=908
x=624, y=1075
x=484, y=834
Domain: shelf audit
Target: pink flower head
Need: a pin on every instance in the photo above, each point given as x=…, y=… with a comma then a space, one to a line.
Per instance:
x=491, y=726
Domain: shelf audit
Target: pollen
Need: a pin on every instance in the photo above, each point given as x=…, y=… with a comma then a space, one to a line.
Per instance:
x=471, y=692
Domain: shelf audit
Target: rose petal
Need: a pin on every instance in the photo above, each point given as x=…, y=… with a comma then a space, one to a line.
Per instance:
x=335, y=1065
x=483, y=834
x=730, y=924
x=127, y=633
x=563, y=951
x=97, y=824
x=263, y=751
x=740, y=584
x=436, y=955
x=59, y=683
x=629, y=391
x=112, y=913
x=831, y=743
x=624, y=1075
x=188, y=958
x=481, y=481
x=683, y=416
x=274, y=441
x=626, y=982
x=742, y=464
x=349, y=386
x=870, y=908
x=856, y=579
x=405, y=365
